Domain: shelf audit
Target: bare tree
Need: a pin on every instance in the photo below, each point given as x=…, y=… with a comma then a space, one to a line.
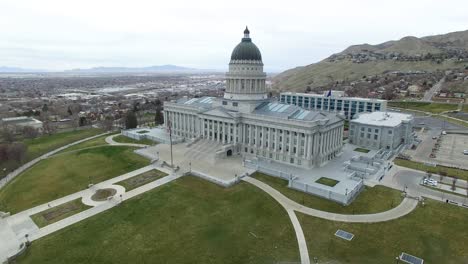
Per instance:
x=454, y=183
x=8, y=135
x=30, y=132
x=17, y=151
x=108, y=122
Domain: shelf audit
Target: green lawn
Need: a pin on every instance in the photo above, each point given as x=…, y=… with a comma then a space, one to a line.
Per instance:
x=99, y=141
x=141, y=179
x=58, y=213
x=371, y=200
x=67, y=173
x=363, y=150
x=44, y=144
x=424, y=106
x=327, y=181
x=187, y=221
x=461, y=174
x=124, y=139
x=436, y=232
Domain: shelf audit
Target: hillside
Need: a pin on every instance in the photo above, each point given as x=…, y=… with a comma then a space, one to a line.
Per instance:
x=409, y=54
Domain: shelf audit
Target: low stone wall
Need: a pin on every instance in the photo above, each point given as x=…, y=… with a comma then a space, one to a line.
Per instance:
x=22, y=249
x=343, y=199
x=215, y=180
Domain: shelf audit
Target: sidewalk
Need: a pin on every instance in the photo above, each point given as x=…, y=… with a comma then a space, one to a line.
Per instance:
x=14, y=228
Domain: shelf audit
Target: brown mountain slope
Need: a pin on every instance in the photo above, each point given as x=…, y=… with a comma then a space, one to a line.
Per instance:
x=407, y=54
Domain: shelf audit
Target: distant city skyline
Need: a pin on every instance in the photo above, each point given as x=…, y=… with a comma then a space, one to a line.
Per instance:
x=62, y=35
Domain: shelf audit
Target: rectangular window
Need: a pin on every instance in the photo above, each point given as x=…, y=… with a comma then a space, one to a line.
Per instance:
x=235, y=104
x=224, y=103
x=375, y=137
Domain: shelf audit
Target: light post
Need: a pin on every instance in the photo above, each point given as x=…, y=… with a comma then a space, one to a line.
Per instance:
x=190, y=166
x=27, y=239
x=121, y=198
x=397, y=260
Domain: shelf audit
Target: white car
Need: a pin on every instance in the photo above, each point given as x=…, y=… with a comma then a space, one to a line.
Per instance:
x=444, y=133
x=430, y=182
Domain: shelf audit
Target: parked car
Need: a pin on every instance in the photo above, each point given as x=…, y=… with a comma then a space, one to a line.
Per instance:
x=465, y=152
x=444, y=133
x=434, y=137
x=430, y=182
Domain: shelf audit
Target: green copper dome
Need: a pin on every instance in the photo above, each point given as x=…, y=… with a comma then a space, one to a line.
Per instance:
x=246, y=50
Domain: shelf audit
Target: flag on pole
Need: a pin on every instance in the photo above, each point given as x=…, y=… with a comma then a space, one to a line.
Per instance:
x=329, y=93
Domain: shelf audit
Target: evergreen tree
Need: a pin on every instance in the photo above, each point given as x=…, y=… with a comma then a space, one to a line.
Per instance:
x=158, y=118
x=131, y=120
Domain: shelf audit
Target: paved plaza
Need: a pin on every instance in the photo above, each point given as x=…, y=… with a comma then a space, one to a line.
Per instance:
x=199, y=157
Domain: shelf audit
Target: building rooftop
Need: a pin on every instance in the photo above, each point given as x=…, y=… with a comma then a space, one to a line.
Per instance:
x=204, y=102
x=334, y=97
x=292, y=112
x=388, y=119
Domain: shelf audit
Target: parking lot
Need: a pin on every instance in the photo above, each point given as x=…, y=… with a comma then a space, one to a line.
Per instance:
x=451, y=150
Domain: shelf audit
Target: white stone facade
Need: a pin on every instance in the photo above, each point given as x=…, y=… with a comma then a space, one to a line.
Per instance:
x=381, y=130
x=349, y=106
x=246, y=122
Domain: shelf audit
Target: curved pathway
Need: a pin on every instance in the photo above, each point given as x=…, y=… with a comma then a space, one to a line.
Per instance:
x=26, y=166
x=405, y=207
x=110, y=141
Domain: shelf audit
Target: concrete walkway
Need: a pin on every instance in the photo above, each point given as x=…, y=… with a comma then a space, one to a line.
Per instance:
x=405, y=207
x=26, y=166
x=110, y=141
x=14, y=228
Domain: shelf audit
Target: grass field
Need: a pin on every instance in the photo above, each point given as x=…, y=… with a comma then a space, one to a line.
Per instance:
x=371, y=200
x=186, y=221
x=436, y=232
x=424, y=106
x=363, y=150
x=44, y=144
x=58, y=213
x=451, y=120
x=327, y=181
x=99, y=141
x=461, y=174
x=124, y=139
x=65, y=174
x=141, y=179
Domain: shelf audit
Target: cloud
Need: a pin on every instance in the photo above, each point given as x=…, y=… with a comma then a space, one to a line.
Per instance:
x=58, y=35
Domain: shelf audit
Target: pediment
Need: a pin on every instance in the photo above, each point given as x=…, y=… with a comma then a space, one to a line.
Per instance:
x=217, y=112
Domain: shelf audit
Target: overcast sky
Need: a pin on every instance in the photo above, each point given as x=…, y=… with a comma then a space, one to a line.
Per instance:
x=66, y=34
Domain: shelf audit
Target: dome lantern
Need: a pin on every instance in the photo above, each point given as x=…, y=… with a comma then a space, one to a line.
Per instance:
x=246, y=50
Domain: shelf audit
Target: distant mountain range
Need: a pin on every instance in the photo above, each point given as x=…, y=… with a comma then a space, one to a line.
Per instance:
x=161, y=68
x=156, y=69
x=427, y=54
x=6, y=69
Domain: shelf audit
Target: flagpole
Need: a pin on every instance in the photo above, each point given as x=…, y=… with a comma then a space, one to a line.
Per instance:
x=170, y=141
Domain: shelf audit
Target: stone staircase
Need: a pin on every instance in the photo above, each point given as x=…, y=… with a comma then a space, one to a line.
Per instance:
x=203, y=147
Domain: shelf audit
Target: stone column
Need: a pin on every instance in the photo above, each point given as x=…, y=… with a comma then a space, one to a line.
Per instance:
x=298, y=145
x=270, y=135
x=291, y=143
x=275, y=149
